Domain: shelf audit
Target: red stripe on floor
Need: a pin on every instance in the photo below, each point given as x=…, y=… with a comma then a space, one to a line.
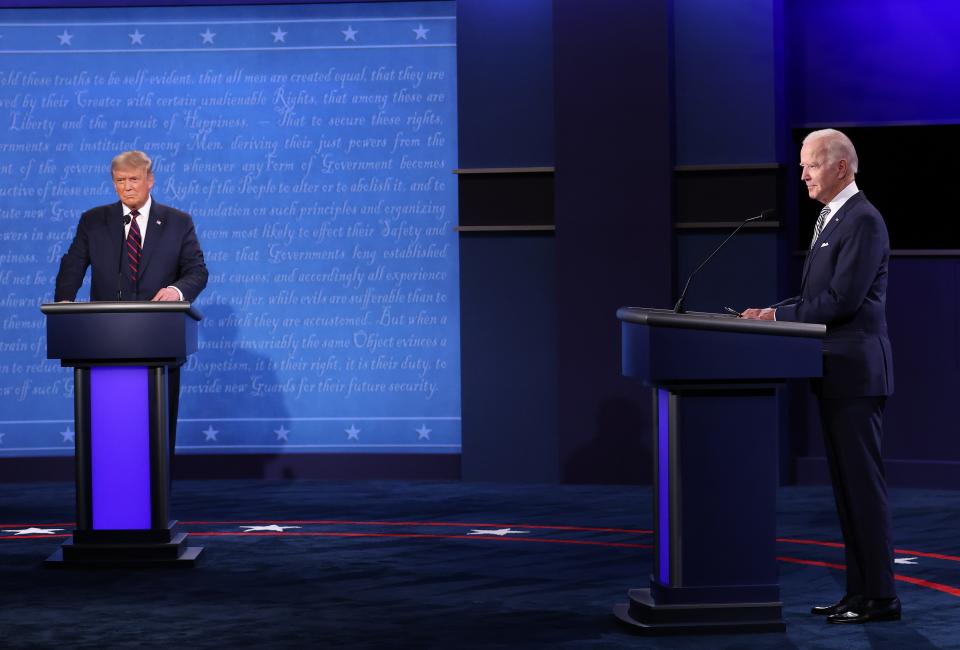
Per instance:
x=947, y=589
x=335, y=522
x=498, y=538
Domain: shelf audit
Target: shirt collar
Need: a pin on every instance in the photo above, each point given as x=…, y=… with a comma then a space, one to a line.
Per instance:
x=144, y=211
x=842, y=198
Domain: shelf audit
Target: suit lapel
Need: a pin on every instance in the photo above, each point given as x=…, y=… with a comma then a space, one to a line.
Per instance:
x=116, y=234
x=155, y=231
x=824, y=238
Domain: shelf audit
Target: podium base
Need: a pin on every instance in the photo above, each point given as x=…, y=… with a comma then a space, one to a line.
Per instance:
x=126, y=553
x=644, y=616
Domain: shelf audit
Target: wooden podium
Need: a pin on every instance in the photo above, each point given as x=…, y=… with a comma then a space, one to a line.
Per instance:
x=715, y=465
x=121, y=353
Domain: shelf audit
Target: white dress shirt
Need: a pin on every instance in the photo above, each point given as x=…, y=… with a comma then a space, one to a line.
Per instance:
x=143, y=220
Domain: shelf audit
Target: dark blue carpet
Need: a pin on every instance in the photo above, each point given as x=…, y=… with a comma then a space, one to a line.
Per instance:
x=394, y=565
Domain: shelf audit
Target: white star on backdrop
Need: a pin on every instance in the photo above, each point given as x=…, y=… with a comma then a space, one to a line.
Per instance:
x=272, y=527
x=34, y=531
x=210, y=433
x=423, y=433
x=136, y=38
x=353, y=433
x=904, y=560
x=67, y=435
x=282, y=433
x=421, y=32
x=499, y=532
x=349, y=34
x=65, y=38
x=207, y=36
x=278, y=35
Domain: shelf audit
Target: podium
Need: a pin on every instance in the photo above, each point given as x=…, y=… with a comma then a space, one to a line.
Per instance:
x=715, y=465
x=121, y=353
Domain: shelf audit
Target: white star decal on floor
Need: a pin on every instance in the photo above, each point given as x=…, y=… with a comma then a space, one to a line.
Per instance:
x=904, y=560
x=271, y=528
x=499, y=532
x=35, y=531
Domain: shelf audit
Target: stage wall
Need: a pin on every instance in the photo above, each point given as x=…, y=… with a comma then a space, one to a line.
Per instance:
x=313, y=146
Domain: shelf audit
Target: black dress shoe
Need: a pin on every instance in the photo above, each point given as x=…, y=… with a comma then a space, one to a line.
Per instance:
x=828, y=610
x=866, y=611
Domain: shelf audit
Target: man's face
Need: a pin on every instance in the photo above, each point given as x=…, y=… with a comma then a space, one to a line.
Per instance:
x=824, y=180
x=133, y=185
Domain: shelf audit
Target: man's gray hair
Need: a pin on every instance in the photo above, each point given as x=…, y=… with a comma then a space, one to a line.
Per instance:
x=131, y=160
x=838, y=145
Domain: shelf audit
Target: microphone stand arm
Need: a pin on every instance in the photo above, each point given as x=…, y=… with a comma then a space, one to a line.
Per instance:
x=678, y=308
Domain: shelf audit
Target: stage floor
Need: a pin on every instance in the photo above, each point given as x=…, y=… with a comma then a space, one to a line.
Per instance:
x=437, y=565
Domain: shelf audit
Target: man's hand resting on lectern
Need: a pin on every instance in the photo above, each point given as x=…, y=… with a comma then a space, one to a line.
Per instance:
x=767, y=313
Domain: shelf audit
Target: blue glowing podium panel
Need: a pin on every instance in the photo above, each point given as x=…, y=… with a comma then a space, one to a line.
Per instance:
x=715, y=464
x=121, y=354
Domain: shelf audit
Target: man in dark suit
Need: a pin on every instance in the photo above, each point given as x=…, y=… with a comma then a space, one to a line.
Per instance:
x=844, y=286
x=138, y=250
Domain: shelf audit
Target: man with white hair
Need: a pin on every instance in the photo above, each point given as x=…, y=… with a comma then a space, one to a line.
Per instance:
x=844, y=286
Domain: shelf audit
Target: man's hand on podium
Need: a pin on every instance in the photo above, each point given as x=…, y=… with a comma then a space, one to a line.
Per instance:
x=767, y=313
x=167, y=294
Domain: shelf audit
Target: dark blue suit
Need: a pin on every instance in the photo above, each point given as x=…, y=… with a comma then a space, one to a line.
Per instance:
x=171, y=256
x=844, y=286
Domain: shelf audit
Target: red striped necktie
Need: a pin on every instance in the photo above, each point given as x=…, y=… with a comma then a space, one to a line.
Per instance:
x=134, y=246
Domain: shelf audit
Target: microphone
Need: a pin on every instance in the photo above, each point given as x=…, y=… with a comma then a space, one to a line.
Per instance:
x=123, y=244
x=678, y=308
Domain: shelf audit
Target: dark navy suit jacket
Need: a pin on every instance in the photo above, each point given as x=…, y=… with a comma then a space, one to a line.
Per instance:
x=844, y=286
x=171, y=256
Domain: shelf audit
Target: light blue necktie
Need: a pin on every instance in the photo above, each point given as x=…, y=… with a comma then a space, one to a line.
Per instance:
x=817, y=229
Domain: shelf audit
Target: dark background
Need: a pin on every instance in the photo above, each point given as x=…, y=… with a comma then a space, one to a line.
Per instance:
x=907, y=172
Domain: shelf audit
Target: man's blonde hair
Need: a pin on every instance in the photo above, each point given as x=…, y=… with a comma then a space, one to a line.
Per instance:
x=131, y=160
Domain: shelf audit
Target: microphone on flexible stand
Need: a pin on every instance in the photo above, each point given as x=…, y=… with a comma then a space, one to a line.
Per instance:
x=678, y=308
x=123, y=244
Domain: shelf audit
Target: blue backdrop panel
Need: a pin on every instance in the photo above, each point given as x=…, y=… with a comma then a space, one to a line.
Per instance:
x=880, y=62
x=313, y=146
x=724, y=81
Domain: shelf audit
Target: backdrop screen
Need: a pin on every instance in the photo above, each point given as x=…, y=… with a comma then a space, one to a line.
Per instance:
x=313, y=146
x=917, y=218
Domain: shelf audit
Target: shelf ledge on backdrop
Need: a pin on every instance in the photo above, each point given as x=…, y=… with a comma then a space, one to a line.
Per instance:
x=504, y=170
x=728, y=167
x=725, y=225
x=908, y=252
x=521, y=228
